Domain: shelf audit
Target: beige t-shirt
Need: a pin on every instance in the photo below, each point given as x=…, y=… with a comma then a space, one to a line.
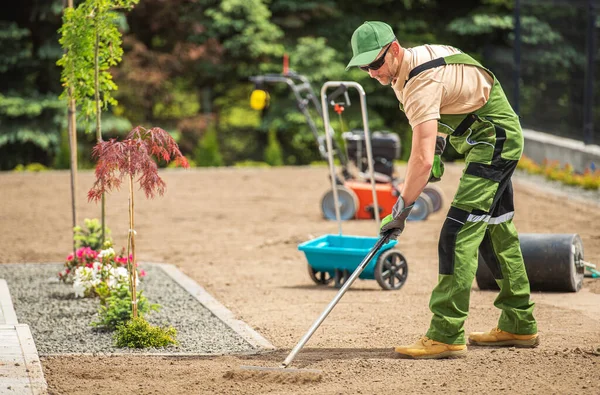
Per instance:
x=450, y=89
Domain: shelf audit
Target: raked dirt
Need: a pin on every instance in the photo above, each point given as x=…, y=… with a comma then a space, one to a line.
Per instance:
x=236, y=231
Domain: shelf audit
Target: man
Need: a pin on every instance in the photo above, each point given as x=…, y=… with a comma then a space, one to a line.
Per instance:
x=443, y=90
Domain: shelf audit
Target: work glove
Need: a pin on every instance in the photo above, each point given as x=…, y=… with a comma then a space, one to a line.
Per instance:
x=393, y=224
x=437, y=169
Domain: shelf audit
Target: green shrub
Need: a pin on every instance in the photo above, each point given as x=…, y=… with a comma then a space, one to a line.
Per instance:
x=273, y=152
x=62, y=160
x=564, y=174
x=138, y=333
x=324, y=163
x=207, y=153
x=250, y=163
x=91, y=235
x=173, y=164
x=31, y=167
x=116, y=308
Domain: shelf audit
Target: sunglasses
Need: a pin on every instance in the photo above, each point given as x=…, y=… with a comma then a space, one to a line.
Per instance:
x=377, y=63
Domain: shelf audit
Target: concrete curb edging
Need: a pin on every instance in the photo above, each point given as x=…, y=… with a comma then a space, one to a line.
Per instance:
x=19, y=360
x=8, y=316
x=220, y=311
x=32, y=360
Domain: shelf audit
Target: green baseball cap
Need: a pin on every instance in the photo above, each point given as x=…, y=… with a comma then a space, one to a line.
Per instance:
x=367, y=41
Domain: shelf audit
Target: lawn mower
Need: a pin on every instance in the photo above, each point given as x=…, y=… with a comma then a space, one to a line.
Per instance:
x=352, y=184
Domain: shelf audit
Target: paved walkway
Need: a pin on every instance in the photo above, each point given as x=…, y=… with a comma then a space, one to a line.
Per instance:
x=20, y=367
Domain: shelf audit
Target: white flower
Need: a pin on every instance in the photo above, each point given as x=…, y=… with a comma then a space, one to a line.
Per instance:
x=109, y=252
x=111, y=282
x=79, y=289
x=121, y=274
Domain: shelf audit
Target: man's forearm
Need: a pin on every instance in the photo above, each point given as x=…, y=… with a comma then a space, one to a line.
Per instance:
x=417, y=175
x=420, y=161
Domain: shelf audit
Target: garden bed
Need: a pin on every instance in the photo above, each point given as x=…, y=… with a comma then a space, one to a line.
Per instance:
x=60, y=323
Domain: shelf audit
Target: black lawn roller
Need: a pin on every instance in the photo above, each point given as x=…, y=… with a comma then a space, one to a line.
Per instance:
x=554, y=262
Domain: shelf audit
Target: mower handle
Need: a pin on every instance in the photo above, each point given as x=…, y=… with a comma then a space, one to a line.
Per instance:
x=342, y=89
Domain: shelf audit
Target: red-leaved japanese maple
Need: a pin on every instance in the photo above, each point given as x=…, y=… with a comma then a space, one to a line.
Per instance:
x=134, y=158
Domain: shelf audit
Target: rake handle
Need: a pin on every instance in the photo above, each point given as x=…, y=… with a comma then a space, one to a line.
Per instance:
x=382, y=241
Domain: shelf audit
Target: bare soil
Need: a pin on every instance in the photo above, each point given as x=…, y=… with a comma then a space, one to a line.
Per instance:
x=236, y=231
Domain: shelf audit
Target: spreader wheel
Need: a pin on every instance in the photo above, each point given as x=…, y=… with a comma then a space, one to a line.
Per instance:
x=436, y=195
x=320, y=278
x=340, y=277
x=422, y=208
x=391, y=270
x=348, y=203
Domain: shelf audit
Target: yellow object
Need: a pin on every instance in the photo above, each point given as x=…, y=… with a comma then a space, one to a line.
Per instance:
x=426, y=348
x=259, y=99
x=497, y=337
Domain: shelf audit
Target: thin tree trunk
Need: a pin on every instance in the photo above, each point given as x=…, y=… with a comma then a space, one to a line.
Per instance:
x=73, y=148
x=99, y=120
x=72, y=127
x=132, y=266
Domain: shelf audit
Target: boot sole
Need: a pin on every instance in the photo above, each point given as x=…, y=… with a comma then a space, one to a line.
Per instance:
x=529, y=343
x=442, y=355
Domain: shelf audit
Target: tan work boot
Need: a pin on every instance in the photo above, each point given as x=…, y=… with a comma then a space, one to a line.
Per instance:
x=426, y=348
x=497, y=337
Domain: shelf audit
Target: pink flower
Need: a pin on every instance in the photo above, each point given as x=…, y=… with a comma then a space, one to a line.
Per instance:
x=142, y=273
x=70, y=257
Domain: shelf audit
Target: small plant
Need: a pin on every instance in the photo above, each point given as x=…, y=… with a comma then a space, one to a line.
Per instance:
x=31, y=167
x=552, y=170
x=250, y=163
x=91, y=235
x=529, y=165
x=138, y=333
x=83, y=257
x=131, y=158
x=86, y=257
x=116, y=308
x=590, y=180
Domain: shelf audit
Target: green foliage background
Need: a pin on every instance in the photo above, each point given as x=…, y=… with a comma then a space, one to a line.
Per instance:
x=185, y=67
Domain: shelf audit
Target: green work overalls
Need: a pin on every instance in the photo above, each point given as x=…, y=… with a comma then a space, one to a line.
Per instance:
x=480, y=217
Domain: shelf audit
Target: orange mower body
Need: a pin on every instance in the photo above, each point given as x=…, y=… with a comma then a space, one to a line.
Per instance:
x=386, y=198
x=355, y=201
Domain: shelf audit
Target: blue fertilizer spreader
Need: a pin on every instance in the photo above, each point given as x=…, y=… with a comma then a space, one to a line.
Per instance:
x=337, y=258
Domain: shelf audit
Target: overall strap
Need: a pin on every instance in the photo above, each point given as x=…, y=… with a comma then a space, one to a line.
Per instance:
x=459, y=58
x=425, y=66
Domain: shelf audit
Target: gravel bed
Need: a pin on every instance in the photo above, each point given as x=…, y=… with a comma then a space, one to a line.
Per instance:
x=60, y=323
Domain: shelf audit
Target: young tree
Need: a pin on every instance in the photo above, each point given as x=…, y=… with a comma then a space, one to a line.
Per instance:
x=131, y=158
x=92, y=43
